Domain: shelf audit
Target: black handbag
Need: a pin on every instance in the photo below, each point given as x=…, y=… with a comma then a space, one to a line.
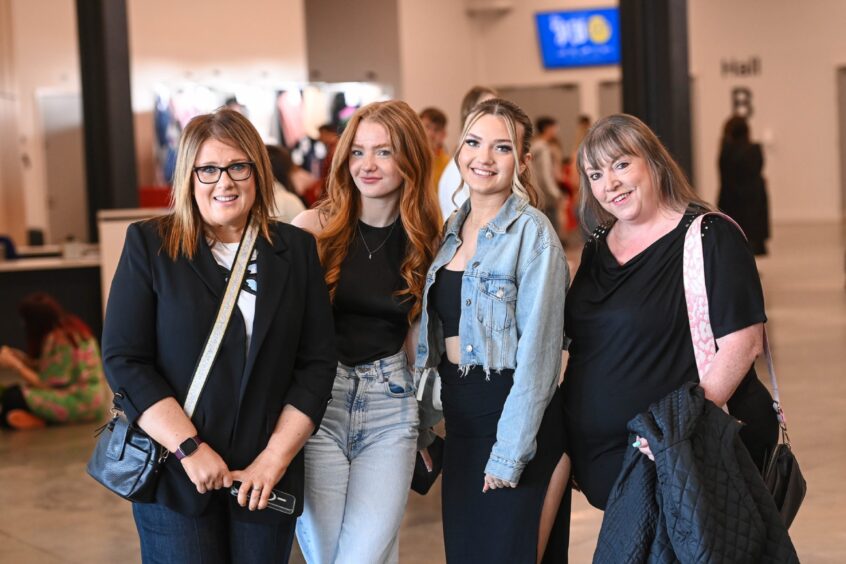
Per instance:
x=126, y=460
x=422, y=479
x=782, y=474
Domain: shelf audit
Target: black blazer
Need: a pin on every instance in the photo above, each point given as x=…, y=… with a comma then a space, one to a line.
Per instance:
x=158, y=316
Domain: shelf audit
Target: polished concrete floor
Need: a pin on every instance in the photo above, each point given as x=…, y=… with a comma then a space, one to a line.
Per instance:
x=51, y=512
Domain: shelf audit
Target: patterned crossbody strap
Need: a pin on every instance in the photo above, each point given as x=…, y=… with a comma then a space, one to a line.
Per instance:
x=698, y=315
x=224, y=313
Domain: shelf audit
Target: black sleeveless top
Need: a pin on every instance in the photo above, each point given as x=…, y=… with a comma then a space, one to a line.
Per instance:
x=445, y=298
x=370, y=321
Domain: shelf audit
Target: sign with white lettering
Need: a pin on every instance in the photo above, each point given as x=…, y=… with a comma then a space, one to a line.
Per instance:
x=579, y=38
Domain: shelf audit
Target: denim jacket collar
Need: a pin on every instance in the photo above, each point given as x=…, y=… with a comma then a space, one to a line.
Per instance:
x=513, y=208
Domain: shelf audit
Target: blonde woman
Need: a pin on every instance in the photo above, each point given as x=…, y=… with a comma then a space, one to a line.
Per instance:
x=272, y=377
x=492, y=325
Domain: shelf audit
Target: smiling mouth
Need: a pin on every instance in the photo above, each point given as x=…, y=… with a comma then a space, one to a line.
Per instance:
x=621, y=198
x=481, y=172
x=226, y=199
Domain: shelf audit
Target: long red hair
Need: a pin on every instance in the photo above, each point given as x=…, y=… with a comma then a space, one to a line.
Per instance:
x=419, y=211
x=42, y=315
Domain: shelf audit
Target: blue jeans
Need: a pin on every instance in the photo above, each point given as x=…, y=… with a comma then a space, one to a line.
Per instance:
x=358, y=466
x=215, y=537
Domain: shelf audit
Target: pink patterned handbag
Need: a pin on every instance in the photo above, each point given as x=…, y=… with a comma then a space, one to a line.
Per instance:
x=781, y=474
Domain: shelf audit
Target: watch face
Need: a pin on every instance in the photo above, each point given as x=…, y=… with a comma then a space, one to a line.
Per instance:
x=188, y=447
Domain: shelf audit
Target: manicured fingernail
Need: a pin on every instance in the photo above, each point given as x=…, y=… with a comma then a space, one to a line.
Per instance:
x=636, y=444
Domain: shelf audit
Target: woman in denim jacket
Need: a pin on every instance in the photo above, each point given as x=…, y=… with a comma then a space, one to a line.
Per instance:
x=493, y=312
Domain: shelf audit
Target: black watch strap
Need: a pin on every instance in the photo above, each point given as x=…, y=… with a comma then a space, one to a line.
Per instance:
x=188, y=447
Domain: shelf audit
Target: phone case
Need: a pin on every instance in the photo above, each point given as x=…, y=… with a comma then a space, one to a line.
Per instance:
x=278, y=501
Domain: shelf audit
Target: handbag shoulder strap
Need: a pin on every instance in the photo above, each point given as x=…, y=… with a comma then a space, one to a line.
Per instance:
x=698, y=315
x=224, y=314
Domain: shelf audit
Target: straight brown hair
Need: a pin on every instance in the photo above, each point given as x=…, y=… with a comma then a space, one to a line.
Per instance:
x=181, y=228
x=622, y=134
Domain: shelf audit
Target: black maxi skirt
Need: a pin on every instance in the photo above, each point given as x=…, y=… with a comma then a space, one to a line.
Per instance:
x=500, y=525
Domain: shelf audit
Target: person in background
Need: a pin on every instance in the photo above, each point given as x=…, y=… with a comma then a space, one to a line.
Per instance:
x=377, y=232
x=328, y=136
x=61, y=369
x=451, y=192
x=626, y=312
x=545, y=167
x=493, y=313
x=267, y=388
x=583, y=123
x=435, y=124
x=286, y=201
x=743, y=190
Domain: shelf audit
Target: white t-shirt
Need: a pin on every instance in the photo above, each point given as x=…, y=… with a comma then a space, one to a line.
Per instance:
x=450, y=179
x=288, y=206
x=224, y=254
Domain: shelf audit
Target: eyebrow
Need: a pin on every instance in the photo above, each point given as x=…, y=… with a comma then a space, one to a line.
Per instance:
x=476, y=137
x=382, y=146
x=233, y=161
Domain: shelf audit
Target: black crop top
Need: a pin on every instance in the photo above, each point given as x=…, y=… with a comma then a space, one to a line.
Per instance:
x=370, y=321
x=446, y=299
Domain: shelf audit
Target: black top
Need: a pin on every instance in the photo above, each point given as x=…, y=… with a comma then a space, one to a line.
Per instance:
x=370, y=321
x=446, y=299
x=631, y=343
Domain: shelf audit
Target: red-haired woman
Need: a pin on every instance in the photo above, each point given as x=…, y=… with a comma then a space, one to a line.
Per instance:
x=61, y=369
x=377, y=232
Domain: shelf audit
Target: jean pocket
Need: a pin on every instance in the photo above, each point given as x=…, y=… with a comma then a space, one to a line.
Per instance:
x=496, y=303
x=400, y=384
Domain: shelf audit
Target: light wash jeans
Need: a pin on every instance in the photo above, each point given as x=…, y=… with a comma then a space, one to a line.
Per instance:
x=358, y=466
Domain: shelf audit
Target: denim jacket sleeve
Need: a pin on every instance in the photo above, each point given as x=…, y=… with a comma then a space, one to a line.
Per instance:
x=542, y=287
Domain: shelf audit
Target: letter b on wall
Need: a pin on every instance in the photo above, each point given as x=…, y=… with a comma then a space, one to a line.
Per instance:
x=741, y=102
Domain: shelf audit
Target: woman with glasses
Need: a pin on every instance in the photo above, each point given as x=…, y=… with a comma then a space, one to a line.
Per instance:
x=377, y=232
x=271, y=380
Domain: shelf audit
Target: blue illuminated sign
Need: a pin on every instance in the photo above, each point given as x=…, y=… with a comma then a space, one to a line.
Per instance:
x=579, y=38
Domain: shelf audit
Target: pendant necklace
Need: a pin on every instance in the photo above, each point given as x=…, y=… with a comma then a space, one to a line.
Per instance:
x=382, y=244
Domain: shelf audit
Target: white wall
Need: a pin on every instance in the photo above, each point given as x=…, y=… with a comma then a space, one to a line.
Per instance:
x=800, y=44
x=439, y=62
x=11, y=192
x=443, y=52
x=512, y=56
x=46, y=59
x=251, y=41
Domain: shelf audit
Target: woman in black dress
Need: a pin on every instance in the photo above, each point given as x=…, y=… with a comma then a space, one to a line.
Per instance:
x=626, y=311
x=743, y=191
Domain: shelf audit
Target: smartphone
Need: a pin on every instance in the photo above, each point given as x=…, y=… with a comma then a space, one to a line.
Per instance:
x=278, y=501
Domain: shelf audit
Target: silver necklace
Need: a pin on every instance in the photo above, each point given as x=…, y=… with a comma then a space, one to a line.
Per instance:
x=382, y=244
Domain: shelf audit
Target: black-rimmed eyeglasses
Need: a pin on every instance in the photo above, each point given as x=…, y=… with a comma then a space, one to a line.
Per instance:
x=210, y=174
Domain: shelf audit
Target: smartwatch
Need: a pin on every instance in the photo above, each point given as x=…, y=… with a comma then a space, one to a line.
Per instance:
x=188, y=447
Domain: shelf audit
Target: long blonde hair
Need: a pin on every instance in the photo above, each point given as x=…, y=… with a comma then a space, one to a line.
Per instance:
x=181, y=228
x=624, y=134
x=340, y=210
x=522, y=183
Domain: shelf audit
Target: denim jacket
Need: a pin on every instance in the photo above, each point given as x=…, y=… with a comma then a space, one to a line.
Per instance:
x=512, y=295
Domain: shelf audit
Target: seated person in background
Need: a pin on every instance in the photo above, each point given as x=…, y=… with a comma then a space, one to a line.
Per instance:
x=61, y=369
